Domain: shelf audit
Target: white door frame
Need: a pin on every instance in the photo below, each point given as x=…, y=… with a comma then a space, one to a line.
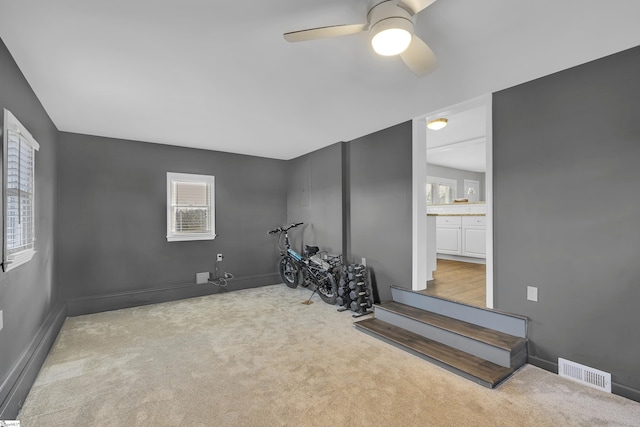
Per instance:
x=419, y=216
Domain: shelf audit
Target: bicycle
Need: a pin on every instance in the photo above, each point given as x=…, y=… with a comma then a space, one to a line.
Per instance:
x=312, y=267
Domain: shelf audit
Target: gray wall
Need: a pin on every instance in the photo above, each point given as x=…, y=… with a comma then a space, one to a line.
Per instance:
x=459, y=175
x=113, y=250
x=28, y=294
x=380, y=204
x=566, y=153
x=364, y=188
x=314, y=196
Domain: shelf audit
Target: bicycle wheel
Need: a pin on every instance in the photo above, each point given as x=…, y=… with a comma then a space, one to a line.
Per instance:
x=289, y=272
x=326, y=286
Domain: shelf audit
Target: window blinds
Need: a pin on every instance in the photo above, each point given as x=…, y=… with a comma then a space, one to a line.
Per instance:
x=19, y=193
x=190, y=206
x=19, y=149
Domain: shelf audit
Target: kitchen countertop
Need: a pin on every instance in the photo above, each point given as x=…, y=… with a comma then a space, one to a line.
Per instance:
x=456, y=214
x=459, y=203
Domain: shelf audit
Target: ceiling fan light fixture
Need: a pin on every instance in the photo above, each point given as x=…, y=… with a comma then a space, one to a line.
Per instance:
x=391, y=36
x=437, y=124
x=390, y=26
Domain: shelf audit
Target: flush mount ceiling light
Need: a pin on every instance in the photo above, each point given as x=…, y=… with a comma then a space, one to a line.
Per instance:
x=437, y=124
x=391, y=29
x=391, y=41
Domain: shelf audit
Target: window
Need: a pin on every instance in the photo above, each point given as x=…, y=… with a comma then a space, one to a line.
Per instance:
x=19, y=155
x=441, y=190
x=430, y=193
x=447, y=193
x=190, y=207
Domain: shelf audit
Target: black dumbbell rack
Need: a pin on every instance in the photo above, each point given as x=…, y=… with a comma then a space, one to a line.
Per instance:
x=354, y=290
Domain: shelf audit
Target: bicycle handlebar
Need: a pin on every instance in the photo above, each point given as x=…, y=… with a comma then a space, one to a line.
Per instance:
x=279, y=229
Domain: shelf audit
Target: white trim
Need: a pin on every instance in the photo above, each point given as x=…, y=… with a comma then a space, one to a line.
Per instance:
x=190, y=237
x=419, y=237
x=186, y=177
x=488, y=185
x=438, y=180
x=11, y=123
x=419, y=273
x=18, y=259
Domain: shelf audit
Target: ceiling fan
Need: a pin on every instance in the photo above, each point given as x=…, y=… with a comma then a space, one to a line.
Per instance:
x=390, y=25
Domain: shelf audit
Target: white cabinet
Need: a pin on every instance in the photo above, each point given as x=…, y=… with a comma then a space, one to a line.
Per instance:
x=461, y=235
x=448, y=236
x=474, y=236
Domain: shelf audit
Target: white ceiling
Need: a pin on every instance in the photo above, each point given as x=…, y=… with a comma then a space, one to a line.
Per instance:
x=462, y=143
x=218, y=74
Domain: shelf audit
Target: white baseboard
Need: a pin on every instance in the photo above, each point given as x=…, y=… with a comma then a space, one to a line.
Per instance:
x=462, y=258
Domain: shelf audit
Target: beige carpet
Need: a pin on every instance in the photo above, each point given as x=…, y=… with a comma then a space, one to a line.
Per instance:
x=259, y=357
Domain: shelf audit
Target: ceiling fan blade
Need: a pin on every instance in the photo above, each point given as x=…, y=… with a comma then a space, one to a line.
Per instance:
x=416, y=6
x=324, y=32
x=419, y=57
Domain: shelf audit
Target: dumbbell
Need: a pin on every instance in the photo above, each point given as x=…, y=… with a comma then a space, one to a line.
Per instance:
x=360, y=305
x=343, y=292
x=355, y=275
x=366, y=300
x=341, y=301
x=354, y=295
x=353, y=284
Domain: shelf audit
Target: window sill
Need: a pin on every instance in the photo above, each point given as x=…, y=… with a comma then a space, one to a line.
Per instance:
x=190, y=237
x=18, y=259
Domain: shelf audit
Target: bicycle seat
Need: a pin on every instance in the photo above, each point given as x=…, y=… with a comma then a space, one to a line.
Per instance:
x=311, y=250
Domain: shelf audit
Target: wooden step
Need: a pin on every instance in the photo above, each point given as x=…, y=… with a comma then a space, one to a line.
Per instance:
x=464, y=364
x=507, y=323
x=500, y=348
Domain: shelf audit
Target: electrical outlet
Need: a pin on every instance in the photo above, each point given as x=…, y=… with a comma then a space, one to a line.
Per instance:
x=1, y=322
x=202, y=277
x=364, y=262
x=532, y=293
x=219, y=257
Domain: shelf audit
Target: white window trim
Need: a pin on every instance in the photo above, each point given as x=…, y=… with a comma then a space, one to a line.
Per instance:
x=185, y=177
x=19, y=258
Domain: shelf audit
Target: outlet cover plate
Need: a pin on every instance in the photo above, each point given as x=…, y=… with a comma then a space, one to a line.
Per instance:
x=1, y=320
x=532, y=293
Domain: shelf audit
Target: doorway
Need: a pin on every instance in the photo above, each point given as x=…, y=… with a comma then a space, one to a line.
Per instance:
x=459, y=281
x=460, y=263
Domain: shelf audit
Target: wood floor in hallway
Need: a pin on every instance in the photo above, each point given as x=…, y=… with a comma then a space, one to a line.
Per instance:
x=458, y=281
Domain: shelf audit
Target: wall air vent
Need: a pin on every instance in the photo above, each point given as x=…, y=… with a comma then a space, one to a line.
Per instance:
x=585, y=375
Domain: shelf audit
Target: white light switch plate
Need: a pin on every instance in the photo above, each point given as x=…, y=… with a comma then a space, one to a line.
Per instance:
x=532, y=293
x=1, y=321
